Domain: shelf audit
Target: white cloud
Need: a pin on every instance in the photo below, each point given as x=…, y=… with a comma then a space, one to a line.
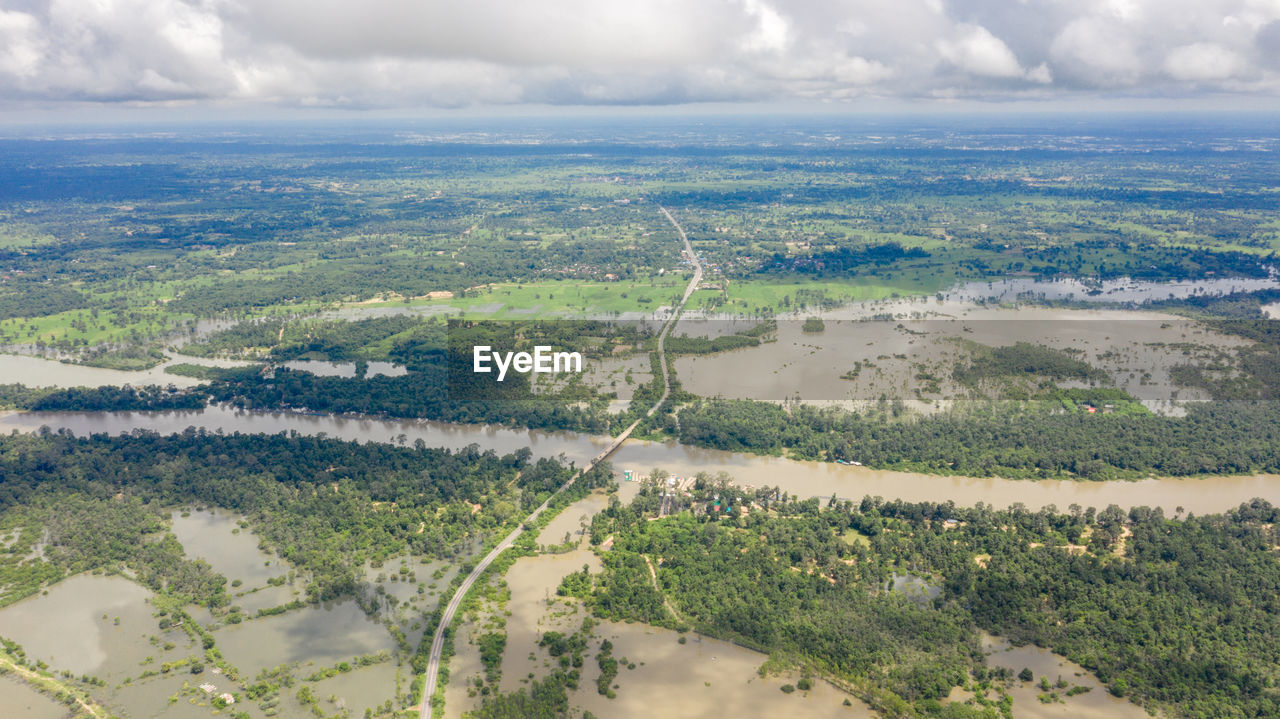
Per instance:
x=974, y=49
x=411, y=53
x=1203, y=61
x=1096, y=53
x=20, y=44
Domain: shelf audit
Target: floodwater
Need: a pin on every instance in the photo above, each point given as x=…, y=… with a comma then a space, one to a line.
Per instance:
x=699, y=678
x=346, y=369
x=105, y=628
x=575, y=520
x=361, y=689
x=862, y=359
x=822, y=479
x=407, y=589
x=799, y=478
x=1118, y=290
x=250, y=600
x=88, y=638
x=320, y=635
x=215, y=537
x=1098, y=703
x=620, y=375
x=359, y=429
x=22, y=702
x=916, y=588
x=42, y=372
x=703, y=677
x=533, y=582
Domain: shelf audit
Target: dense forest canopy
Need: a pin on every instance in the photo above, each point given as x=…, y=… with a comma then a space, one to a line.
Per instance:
x=1176, y=614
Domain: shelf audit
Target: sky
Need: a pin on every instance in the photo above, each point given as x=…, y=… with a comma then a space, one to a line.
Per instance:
x=82, y=58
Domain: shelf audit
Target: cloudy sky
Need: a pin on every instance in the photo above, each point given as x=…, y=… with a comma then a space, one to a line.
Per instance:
x=404, y=54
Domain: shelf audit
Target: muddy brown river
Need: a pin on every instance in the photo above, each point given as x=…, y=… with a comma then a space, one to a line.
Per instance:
x=805, y=479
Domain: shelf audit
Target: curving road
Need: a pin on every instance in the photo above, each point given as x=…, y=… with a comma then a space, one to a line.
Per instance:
x=437, y=641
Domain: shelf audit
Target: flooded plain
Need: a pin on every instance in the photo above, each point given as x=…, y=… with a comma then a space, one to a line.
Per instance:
x=314, y=635
x=1096, y=703
x=1122, y=289
x=365, y=688
x=914, y=358
x=703, y=677
x=346, y=369
x=22, y=702
x=106, y=628
x=103, y=625
x=217, y=538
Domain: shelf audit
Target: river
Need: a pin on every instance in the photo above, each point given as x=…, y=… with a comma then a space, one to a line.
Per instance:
x=805, y=479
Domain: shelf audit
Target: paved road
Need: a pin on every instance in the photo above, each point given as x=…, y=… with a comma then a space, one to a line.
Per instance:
x=437, y=642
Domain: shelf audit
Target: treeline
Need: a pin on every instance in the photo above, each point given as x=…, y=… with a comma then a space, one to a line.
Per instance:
x=1107, y=259
x=425, y=394
x=1179, y=615
x=99, y=399
x=1004, y=439
x=842, y=261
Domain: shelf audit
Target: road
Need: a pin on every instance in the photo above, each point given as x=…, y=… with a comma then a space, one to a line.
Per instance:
x=437, y=641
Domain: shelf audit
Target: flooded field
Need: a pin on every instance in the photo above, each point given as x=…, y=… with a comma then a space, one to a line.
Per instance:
x=703, y=677
x=863, y=359
x=34, y=371
x=315, y=636
x=804, y=479
x=103, y=627
x=574, y=521
x=619, y=375
x=464, y=665
x=533, y=581
x=1097, y=703
x=22, y=702
x=365, y=688
x=346, y=369
x=1118, y=290
x=407, y=589
x=87, y=624
x=216, y=537
x=252, y=600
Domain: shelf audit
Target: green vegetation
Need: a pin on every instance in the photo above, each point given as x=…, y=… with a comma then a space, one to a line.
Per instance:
x=1125, y=595
x=98, y=399
x=325, y=506
x=548, y=697
x=112, y=254
x=1036, y=439
x=1023, y=360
